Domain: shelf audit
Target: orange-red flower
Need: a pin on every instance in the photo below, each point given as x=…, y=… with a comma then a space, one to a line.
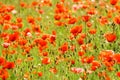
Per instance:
x=76, y=30
x=34, y=3
x=117, y=19
x=46, y=60
x=92, y=31
x=64, y=48
x=57, y=17
x=40, y=74
x=81, y=53
x=113, y=2
x=103, y=20
x=9, y=65
x=2, y=61
x=118, y=74
x=76, y=0
x=4, y=74
x=72, y=20
x=14, y=36
x=31, y=19
x=7, y=17
x=53, y=70
x=86, y=18
x=22, y=41
x=95, y=65
x=89, y=24
x=116, y=57
x=110, y=37
x=80, y=41
x=19, y=20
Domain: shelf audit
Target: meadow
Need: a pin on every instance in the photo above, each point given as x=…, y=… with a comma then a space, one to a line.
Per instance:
x=59, y=39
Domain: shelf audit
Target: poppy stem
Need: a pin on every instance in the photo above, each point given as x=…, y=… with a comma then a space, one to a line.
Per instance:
x=85, y=33
x=113, y=26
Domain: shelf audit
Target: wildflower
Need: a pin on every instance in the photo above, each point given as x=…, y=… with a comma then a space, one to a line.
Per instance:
x=2, y=61
x=92, y=31
x=86, y=18
x=6, y=44
x=9, y=65
x=76, y=30
x=110, y=37
x=116, y=57
x=57, y=17
x=64, y=48
x=14, y=36
x=46, y=60
x=118, y=74
x=40, y=74
x=53, y=70
x=81, y=53
x=4, y=74
x=113, y=2
x=117, y=19
x=80, y=41
x=72, y=21
x=77, y=70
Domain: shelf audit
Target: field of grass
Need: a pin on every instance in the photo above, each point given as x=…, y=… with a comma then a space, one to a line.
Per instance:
x=59, y=39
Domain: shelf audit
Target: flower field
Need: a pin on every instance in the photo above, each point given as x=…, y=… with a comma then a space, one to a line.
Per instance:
x=59, y=39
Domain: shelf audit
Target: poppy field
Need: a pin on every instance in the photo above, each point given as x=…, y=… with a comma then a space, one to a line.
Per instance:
x=59, y=39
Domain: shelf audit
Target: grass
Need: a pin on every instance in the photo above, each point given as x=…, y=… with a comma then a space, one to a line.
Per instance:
x=28, y=69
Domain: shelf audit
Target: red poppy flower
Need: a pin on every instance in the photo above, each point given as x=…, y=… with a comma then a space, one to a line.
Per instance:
x=53, y=70
x=6, y=44
x=9, y=65
x=110, y=37
x=81, y=53
x=76, y=30
x=80, y=41
x=34, y=3
x=91, y=11
x=117, y=20
x=64, y=48
x=45, y=53
x=23, y=4
x=72, y=20
x=86, y=18
x=22, y=41
x=30, y=19
x=2, y=61
x=76, y=0
x=106, y=55
x=116, y=57
x=57, y=17
x=103, y=20
x=4, y=74
x=46, y=60
x=89, y=24
x=7, y=17
x=19, y=20
x=95, y=65
x=90, y=59
x=40, y=74
x=10, y=8
x=92, y=31
x=72, y=61
x=14, y=36
x=118, y=74
x=41, y=42
x=45, y=36
x=113, y=2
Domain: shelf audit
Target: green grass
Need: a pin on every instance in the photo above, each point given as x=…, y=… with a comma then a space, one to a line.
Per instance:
x=62, y=36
